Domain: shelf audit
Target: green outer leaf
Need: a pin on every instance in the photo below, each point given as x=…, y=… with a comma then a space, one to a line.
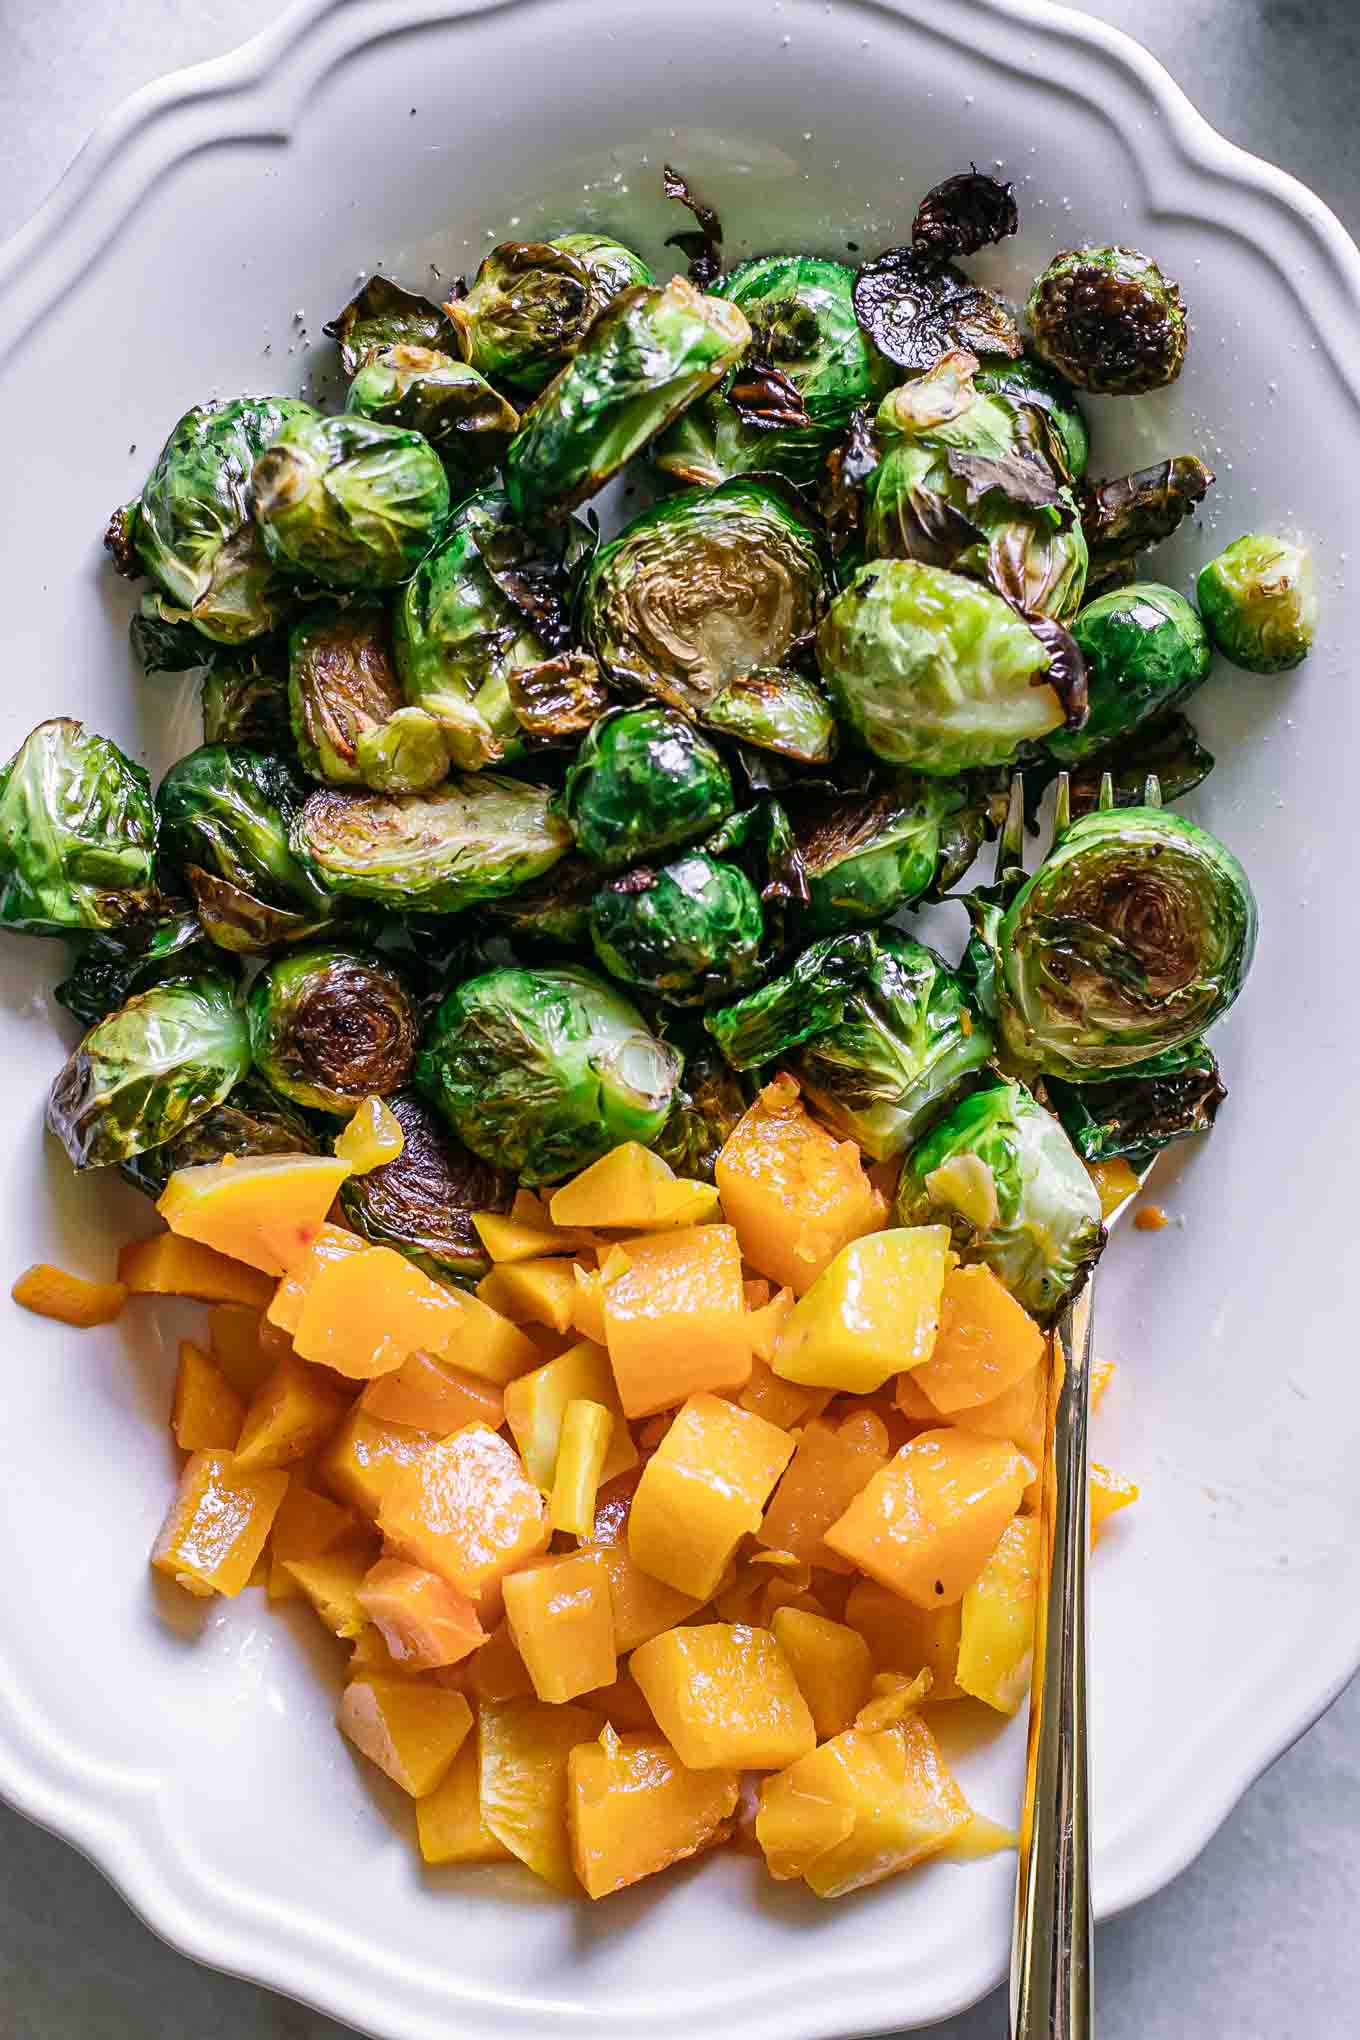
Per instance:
x=349, y=501
x=466, y=422
x=226, y=810
x=77, y=834
x=422, y=1203
x=776, y=710
x=149, y=1071
x=252, y=1121
x=694, y=930
x=532, y=303
x=244, y=697
x=383, y=314
x=330, y=1027
x=1144, y=1109
x=866, y=855
x=1030, y=382
x=644, y=780
x=114, y=965
x=1260, y=602
x=1145, y=650
x=806, y=999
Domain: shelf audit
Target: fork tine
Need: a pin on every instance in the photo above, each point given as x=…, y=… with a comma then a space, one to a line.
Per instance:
x=1062, y=808
x=1152, y=791
x=1106, y=799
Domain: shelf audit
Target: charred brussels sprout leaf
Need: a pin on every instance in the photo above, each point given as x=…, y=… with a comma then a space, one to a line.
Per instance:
x=1171, y=1098
x=1124, y=517
x=702, y=249
x=164, y=640
x=963, y=214
x=111, y=967
x=806, y=999
x=226, y=811
x=329, y=1028
x=1131, y=938
x=690, y=931
x=145, y=1074
x=803, y=329
x=558, y=699
x=1056, y=424
x=644, y=780
x=466, y=422
x=840, y=492
x=544, y=1071
x=776, y=710
x=1000, y=1173
x=1145, y=650
x=348, y=501
x=866, y=855
x=703, y=589
x=1108, y=320
x=905, y=1043
x=933, y=671
x=252, y=1121
x=244, y=697
x=422, y=1203
x=474, y=838
x=77, y=834
x=1259, y=600
x=382, y=314
x=193, y=529
x=1166, y=750
x=709, y=1100
x=915, y=309
x=341, y=682
x=532, y=302
x=649, y=354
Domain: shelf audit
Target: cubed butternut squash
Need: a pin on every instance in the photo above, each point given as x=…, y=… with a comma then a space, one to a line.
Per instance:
x=631, y=1190
x=424, y=1622
x=786, y=1403
x=831, y=1463
x=702, y=1491
x=874, y=1311
x=795, y=1194
x=306, y=1525
x=562, y=1623
x=642, y=1606
x=675, y=1317
x=431, y=1395
x=486, y=1344
x=466, y=1510
x=207, y=1413
x=1115, y=1181
x=164, y=1265
x=587, y=1429
x=587, y=1305
x=367, y=1456
x=217, y=1524
x=508, y=1239
x=536, y=1403
x=927, y=1524
x=1018, y=1413
x=986, y=1343
x=331, y=1243
x=532, y=1292
x=905, y=1639
x=831, y=1663
x=296, y=1408
x=633, y=1808
x=364, y=1314
x=497, y=1671
x=70, y=1299
x=449, y=1822
x=524, y=1746
x=725, y=1697
x=264, y=1210
x=238, y=1348
x=996, y=1636
x=409, y=1729
x=623, y=1706
x=331, y=1581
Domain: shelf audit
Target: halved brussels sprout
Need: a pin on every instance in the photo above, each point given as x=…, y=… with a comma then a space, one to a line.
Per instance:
x=1056, y=424
x=77, y=834
x=1143, y=1110
x=905, y=1043
x=866, y=855
x=532, y=303
x=1108, y=320
x=329, y=1028
x=112, y=966
x=244, y=697
x=226, y=811
x=801, y=312
x=1145, y=650
x=709, y=1100
x=776, y=709
x=1259, y=600
x=192, y=530
x=544, y=1071
x=1000, y=1172
x=349, y=721
x=644, y=780
x=934, y=671
x=148, y=1071
x=653, y=351
x=703, y=589
x=808, y=997
x=558, y=699
x=422, y=1203
x=1134, y=934
x=474, y=838
x=348, y=501
x=962, y=214
x=406, y=754
x=466, y=422
x=690, y=931
x=251, y=1121
x=382, y=314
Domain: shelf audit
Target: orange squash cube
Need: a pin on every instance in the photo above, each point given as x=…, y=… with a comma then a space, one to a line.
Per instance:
x=449, y=1822
x=524, y=1746
x=238, y=1349
x=996, y=1638
x=163, y=1265
x=331, y=1582
x=633, y=1809
x=1018, y=1413
x=486, y=1344
x=497, y=1671
x=536, y=1403
x=906, y=1639
x=509, y=1239
x=926, y=1525
x=1109, y=1493
x=587, y=1306
x=296, y=1408
x=217, y=1524
x=623, y=1706
x=795, y=1193
x=831, y=1663
x=786, y=1403
x=306, y=1525
x=432, y=1396
x=466, y=1510
x=367, y=1457
x=725, y=1697
x=631, y=1190
x=332, y=1243
x=365, y=1313
x=264, y=1210
x=675, y=1317
x=702, y=1491
x=207, y=1412
x=642, y=1606
x=560, y=1618
x=410, y=1730
x=70, y=1299
x=424, y=1622
x=831, y=1463
x=532, y=1292
x=986, y=1343
x=871, y=1313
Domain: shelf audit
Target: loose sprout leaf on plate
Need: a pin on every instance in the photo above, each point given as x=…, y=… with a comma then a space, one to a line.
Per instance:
x=1148, y=1106
x=383, y=314
x=1130, y=513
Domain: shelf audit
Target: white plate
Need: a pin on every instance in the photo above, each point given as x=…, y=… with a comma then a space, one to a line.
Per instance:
x=190, y=1750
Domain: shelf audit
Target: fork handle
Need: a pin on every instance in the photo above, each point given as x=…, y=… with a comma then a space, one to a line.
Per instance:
x=1051, y=1954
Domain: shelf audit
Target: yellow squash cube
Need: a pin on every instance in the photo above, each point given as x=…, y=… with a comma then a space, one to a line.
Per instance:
x=560, y=1618
x=264, y=1210
x=410, y=1730
x=511, y=1239
x=295, y=1409
x=725, y=1697
x=642, y=1606
x=166, y=1266
x=486, y=1344
x=831, y=1463
x=675, y=1317
x=633, y=1809
x=449, y=1822
x=207, y=1413
x=831, y=1663
x=217, y=1524
x=430, y=1395
x=332, y=1243
x=306, y=1525
x=632, y=1190
x=532, y=1292
x=906, y=1639
x=424, y=1622
x=367, y=1457
x=238, y=1348
x=1018, y=1413
x=871, y=1314
x=587, y=1430
x=365, y=1314
x=702, y=1491
x=795, y=1193
x=536, y=1403
x=623, y=1706
x=331, y=1582
x=986, y=1343
x=587, y=1306
x=524, y=1746
x=466, y=1510
x=927, y=1524
x=996, y=1637
x=497, y=1671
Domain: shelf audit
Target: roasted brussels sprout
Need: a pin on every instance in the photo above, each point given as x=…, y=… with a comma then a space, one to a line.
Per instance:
x=446, y=401
x=244, y=697
x=806, y=999
x=149, y=1071
x=916, y=308
x=531, y=303
x=905, y=1043
x=709, y=1100
x=1134, y=934
x=1126, y=516
x=252, y=1121
x=1259, y=600
x=649, y=354
x=933, y=671
x=962, y=214
x=474, y=838
x=957, y=487
x=1000, y=1173
x=329, y=1028
x=801, y=312
x=422, y=1203
x=690, y=931
x=554, y=908
x=382, y=314
x=644, y=780
x=866, y=855
x=701, y=590
x=77, y=834
x=1144, y=1109
x=778, y=710
x=1056, y=424
x=558, y=699
x=1145, y=650
x=1166, y=750
x=348, y=501
x=192, y=530
x=226, y=811
x=349, y=721
x=111, y=967
x=544, y=1071
x=1108, y=320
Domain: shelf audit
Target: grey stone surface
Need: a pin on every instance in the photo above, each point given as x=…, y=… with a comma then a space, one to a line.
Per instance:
x=1258, y=1939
